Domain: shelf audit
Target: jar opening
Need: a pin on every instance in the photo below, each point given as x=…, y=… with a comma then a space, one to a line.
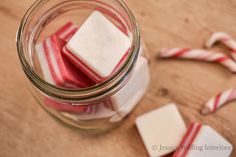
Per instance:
x=42, y=12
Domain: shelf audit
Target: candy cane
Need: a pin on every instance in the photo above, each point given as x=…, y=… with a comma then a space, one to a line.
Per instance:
x=219, y=100
x=223, y=38
x=199, y=54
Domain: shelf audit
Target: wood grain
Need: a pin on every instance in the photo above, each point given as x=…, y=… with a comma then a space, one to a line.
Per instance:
x=26, y=130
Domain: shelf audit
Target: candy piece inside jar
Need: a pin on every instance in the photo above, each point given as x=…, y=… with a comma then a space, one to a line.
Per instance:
x=78, y=58
x=127, y=98
x=67, y=31
x=69, y=107
x=100, y=111
x=97, y=47
x=56, y=69
x=121, y=103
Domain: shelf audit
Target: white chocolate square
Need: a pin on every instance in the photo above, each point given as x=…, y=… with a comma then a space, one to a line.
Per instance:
x=209, y=143
x=99, y=44
x=161, y=130
x=128, y=97
x=44, y=63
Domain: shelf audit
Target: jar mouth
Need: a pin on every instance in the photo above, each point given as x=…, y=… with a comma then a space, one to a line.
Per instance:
x=95, y=92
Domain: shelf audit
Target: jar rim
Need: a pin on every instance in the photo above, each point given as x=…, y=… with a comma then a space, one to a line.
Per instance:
x=83, y=94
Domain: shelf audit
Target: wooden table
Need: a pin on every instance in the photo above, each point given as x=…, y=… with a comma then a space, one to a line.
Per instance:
x=26, y=130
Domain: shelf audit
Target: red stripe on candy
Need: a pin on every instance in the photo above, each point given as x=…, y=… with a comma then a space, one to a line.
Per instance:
x=56, y=53
x=233, y=51
x=188, y=139
x=64, y=28
x=224, y=39
x=221, y=59
x=181, y=52
x=87, y=70
x=216, y=102
x=70, y=34
x=58, y=80
x=83, y=67
x=66, y=106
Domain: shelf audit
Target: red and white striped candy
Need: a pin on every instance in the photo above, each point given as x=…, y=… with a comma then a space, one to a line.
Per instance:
x=188, y=139
x=223, y=38
x=98, y=52
x=199, y=54
x=219, y=100
x=86, y=69
x=66, y=32
x=100, y=111
x=69, y=107
x=56, y=69
x=203, y=141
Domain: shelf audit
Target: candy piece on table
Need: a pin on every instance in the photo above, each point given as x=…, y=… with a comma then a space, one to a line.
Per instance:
x=219, y=100
x=99, y=112
x=56, y=69
x=97, y=47
x=199, y=54
x=67, y=31
x=68, y=107
x=163, y=127
x=223, y=38
x=128, y=97
x=202, y=140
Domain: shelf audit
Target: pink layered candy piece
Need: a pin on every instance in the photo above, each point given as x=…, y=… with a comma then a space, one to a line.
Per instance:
x=99, y=112
x=56, y=68
x=66, y=32
x=69, y=107
x=98, y=48
x=203, y=141
x=86, y=69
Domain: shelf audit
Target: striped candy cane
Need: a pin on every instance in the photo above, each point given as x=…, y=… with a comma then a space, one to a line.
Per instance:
x=223, y=38
x=219, y=100
x=199, y=54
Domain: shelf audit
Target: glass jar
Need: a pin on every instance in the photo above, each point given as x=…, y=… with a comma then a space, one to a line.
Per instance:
x=101, y=106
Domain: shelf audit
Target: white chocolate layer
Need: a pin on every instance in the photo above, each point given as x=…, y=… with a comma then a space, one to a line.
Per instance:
x=161, y=128
x=99, y=44
x=209, y=143
x=128, y=97
x=44, y=63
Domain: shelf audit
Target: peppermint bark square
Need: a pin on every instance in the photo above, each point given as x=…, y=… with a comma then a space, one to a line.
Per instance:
x=202, y=140
x=161, y=130
x=66, y=32
x=126, y=99
x=56, y=69
x=68, y=107
x=98, y=47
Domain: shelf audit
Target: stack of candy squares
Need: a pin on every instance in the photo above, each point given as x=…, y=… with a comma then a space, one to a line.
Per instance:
x=79, y=58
